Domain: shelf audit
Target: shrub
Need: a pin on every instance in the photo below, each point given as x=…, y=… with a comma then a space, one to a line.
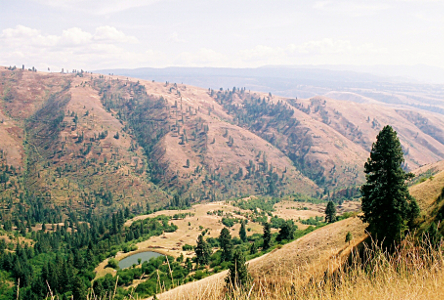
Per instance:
x=187, y=247
x=113, y=263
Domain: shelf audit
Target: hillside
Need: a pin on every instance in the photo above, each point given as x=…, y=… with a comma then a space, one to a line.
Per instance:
x=90, y=141
x=295, y=263
x=305, y=262
x=429, y=192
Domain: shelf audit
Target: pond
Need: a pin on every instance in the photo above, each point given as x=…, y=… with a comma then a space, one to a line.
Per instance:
x=133, y=259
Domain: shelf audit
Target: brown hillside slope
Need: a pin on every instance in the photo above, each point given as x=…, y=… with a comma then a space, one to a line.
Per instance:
x=88, y=135
x=196, y=145
x=328, y=140
x=21, y=95
x=297, y=262
x=73, y=154
x=11, y=137
x=427, y=192
x=432, y=168
x=361, y=123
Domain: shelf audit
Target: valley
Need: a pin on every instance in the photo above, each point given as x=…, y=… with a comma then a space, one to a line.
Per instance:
x=95, y=168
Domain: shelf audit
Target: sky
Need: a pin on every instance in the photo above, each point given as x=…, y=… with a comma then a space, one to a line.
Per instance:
x=99, y=34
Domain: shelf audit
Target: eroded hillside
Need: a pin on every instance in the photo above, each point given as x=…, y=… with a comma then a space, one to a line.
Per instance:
x=86, y=140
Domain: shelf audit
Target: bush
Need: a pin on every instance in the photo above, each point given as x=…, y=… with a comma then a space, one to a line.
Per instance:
x=199, y=275
x=187, y=247
x=228, y=222
x=113, y=263
x=213, y=242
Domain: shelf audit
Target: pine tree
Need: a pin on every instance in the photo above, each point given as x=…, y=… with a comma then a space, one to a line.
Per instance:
x=243, y=232
x=225, y=244
x=267, y=236
x=253, y=248
x=79, y=289
x=203, y=251
x=386, y=201
x=330, y=212
x=238, y=277
x=286, y=231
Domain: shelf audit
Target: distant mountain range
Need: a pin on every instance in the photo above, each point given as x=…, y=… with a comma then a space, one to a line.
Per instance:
x=301, y=82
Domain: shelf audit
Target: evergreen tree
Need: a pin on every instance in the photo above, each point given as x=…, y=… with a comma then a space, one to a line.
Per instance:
x=225, y=244
x=330, y=212
x=386, y=202
x=348, y=237
x=203, y=251
x=267, y=236
x=243, y=232
x=434, y=234
x=286, y=231
x=79, y=289
x=413, y=212
x=253, y=248
x=238, y=277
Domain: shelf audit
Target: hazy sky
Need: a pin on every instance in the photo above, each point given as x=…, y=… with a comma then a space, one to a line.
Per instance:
x=88, y=34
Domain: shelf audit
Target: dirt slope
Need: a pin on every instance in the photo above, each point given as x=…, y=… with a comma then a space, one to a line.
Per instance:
x=109, y=140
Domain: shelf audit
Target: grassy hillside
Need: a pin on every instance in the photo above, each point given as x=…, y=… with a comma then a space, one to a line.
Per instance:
x=414, y=273
x=428, y=189
x=295, y=264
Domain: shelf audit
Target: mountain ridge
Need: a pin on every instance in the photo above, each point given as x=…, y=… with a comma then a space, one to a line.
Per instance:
x=95, y=141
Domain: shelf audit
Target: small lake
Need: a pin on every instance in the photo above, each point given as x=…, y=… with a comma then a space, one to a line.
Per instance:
x=133, y=259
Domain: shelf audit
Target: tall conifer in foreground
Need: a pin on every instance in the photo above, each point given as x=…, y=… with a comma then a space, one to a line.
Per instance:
x=238, y=276
x=225, y=244
x=386, y=201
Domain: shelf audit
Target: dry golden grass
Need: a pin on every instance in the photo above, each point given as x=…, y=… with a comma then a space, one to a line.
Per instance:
x=412, y=272
x=290, y=210
x=294, y=210
x=10, y=239
x=428, y=191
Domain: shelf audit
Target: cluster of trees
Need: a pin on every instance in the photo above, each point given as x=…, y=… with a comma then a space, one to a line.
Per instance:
x=249, y=244
x=146, y=116
x=66, y=255
x=233, y=252
x=178, y=203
